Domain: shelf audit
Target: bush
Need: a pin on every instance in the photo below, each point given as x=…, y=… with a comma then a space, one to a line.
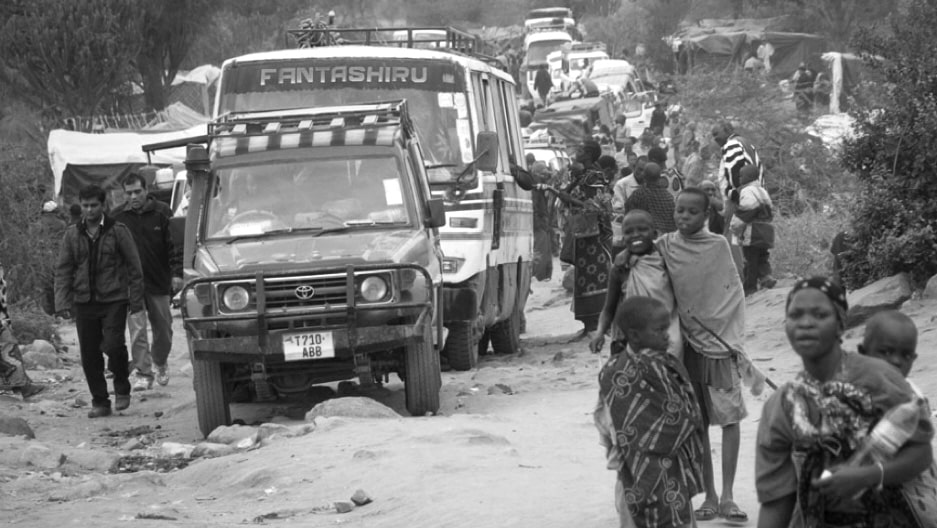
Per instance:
x=28, y=257
x=895, y=151
x=802, y=245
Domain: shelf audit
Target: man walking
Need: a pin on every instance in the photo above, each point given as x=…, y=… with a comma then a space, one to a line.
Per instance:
x=148, y=221
x=98, y=276
x=737, y=152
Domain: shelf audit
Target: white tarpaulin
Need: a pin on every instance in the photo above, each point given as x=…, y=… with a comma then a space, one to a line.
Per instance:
x=78, y=148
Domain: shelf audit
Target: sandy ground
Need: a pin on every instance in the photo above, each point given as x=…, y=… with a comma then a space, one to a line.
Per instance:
x=529, y=458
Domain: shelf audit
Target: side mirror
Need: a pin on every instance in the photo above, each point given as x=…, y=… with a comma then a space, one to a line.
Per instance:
x=437, y=213
x=486, y=151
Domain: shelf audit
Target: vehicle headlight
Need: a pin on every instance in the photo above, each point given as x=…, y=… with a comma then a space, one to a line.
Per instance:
x=236, y=298
x=373, y=289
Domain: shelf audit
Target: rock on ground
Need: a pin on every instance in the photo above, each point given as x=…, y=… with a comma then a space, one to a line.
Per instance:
x=10, y=426
x=212, y=450
x=232, y=434
x=352, y=407
x=885, y=294
x=930, y=291
x=41, y=354
x=92, y=459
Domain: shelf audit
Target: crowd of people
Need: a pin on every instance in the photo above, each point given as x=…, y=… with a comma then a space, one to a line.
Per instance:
x=687, y=248
x=663, y=259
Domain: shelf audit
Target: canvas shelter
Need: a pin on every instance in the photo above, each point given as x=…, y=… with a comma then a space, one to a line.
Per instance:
x=78, y=159
x=730, y=41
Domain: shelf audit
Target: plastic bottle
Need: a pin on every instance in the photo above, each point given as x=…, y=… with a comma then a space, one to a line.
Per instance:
x=889, y=434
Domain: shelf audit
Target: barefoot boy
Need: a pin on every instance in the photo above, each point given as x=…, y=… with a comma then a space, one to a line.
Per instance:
x=708, y=290
x=639, y=270
x=649, y=422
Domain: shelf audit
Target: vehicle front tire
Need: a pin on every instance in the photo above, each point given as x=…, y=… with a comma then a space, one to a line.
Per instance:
x=422, y=378
x=506, y=335
x=211, y=399
x=461, y=348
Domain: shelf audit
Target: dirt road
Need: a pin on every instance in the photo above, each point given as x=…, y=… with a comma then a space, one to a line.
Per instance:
x=514, y=445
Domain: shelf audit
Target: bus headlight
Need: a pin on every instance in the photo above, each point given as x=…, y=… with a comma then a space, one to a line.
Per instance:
x=236, y=298
x=373, y=288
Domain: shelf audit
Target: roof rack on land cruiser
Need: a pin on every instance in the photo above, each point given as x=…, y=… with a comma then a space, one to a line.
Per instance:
x=359, y=115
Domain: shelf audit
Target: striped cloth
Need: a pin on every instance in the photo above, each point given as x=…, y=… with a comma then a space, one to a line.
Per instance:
x=736, y=153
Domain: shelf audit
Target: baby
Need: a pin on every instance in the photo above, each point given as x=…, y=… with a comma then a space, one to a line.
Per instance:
x=892, y=337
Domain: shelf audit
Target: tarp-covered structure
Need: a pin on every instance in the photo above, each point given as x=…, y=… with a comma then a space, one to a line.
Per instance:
x=572, y=120
x=733, y=40
x=79, y=159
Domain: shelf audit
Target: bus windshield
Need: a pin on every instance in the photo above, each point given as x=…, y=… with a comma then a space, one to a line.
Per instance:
x=435, y=94
x=537, y=51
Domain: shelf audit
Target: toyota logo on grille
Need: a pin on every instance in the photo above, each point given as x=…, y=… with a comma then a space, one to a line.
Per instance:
x=305, y=292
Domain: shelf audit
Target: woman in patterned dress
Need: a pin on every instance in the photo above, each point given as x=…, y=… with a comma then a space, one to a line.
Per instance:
x=815, y=423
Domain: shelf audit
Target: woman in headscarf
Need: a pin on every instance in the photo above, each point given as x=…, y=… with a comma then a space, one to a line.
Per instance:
x=812, y=425
x=588, y=233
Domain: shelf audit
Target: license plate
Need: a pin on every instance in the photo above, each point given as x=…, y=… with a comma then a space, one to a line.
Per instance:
x=308, y=345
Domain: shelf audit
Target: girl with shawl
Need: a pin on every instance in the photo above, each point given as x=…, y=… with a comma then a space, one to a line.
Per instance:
x=649, y=422
x=817, y=421
x=588, y=234
x=639, y=270
x=708, y=292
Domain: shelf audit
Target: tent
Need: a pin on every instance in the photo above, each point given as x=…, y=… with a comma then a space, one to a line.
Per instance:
x=572, y=120
x=732, y=40
x=78, y=158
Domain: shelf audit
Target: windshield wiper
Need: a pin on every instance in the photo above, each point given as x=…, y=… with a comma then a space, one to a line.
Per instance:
x=314, y=231
x=373, y=222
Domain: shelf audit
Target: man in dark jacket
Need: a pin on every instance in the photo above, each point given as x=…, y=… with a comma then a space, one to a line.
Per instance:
x=148, y=221
x=98, y=276
x=543, y=83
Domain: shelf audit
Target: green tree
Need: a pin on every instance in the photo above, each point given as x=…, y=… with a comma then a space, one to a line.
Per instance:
x=835, y=19
x=894, y=151
x=73, y=54
x=168, y=30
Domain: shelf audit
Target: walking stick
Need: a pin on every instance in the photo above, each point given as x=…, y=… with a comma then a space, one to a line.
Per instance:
x=734, y=351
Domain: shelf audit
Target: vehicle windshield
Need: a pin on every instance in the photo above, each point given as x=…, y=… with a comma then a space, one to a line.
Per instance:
x=434, y=90
x=267, y=195
x=537, y=51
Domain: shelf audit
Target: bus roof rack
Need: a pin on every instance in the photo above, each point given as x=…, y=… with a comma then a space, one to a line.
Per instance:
x=442, y=38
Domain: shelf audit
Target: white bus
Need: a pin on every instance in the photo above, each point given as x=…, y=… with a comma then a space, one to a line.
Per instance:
x=487, y=242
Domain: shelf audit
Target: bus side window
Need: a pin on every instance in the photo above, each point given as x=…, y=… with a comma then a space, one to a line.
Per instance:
x=484, y=119
x=493, y=106
x=504, y=127
x=515, y=150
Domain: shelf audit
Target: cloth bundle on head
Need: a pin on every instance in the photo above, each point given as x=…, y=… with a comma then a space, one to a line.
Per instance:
x=834, y=292
x=49, y=206
x=607, y=162
x=591, y=149
x=657, y=155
